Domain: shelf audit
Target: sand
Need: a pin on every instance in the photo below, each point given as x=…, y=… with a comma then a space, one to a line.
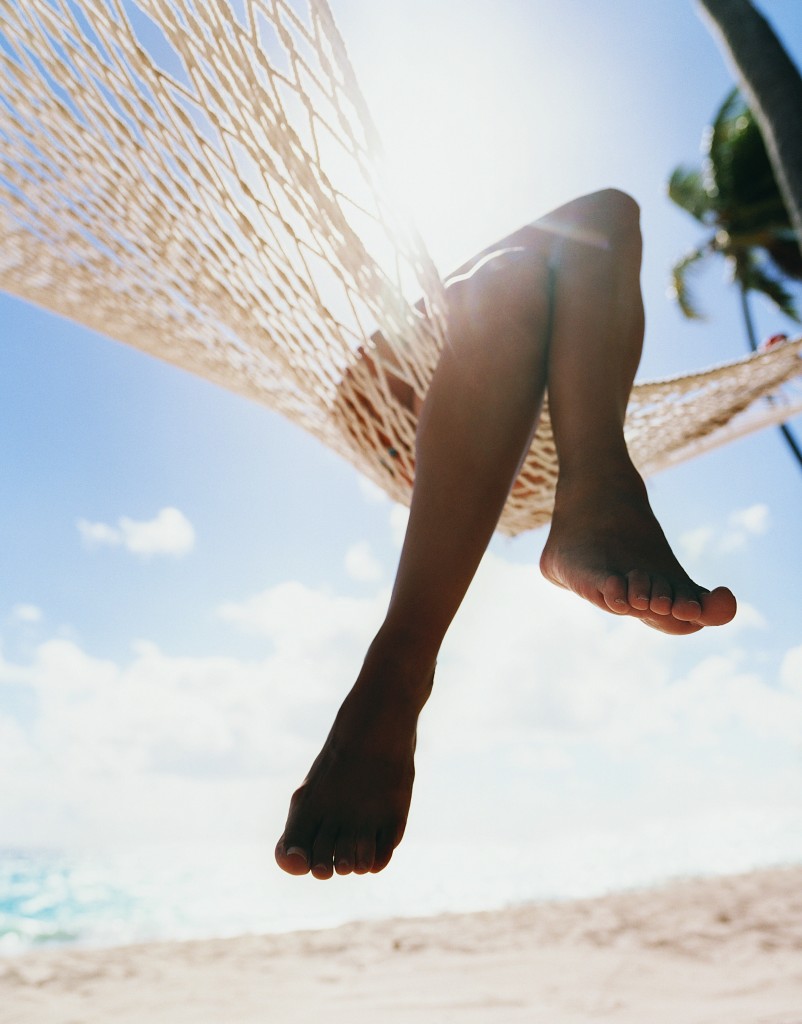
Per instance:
x=714, y=951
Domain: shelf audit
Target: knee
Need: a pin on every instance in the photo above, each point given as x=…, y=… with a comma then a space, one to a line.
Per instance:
x=609, y=214
x=616, y=203
x=587, y=228
x=612, y=218
x=617, y=214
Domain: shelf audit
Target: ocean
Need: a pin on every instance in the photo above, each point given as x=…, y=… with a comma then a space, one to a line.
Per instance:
x=116, y=897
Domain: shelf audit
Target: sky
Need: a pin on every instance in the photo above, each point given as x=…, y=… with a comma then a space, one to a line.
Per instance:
x=188, y=582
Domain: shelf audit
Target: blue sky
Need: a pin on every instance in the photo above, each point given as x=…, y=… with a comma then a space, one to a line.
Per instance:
x=170, y=674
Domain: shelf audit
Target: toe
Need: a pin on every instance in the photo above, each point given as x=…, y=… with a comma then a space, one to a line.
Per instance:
x=292, y=856
x=614, y=594
x=294, y=849
x=365, y=854
x=718, y=607
x=668, y=624
x=662, y=596
x=687, y=607
x=639, y=589
x=345, y=853
x=385, y=844
x=323, y=854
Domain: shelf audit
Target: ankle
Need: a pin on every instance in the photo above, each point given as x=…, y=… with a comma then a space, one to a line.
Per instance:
x=400, y=664
x=414, y=644
x=598, y=469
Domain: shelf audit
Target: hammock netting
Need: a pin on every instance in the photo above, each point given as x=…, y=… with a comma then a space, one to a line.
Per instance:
x=203, y=181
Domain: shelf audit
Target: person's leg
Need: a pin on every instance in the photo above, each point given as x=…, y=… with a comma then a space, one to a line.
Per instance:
x=506, y=336
x=474, y=428
x=605, y=543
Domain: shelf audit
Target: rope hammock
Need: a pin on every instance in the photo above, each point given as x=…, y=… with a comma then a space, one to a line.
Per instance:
x=203, y=181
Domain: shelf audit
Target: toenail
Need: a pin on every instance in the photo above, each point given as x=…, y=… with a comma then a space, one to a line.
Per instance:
x=296, y=851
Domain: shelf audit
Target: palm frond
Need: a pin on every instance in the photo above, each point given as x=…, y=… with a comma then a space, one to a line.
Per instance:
x=757, y=278
x=679, y=289
x=784, y=254
x=738, y=170
x=687, y=190
x=720, y=131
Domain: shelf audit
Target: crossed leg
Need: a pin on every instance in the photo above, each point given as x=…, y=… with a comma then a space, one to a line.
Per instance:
x=605, y=543
x=556, y=304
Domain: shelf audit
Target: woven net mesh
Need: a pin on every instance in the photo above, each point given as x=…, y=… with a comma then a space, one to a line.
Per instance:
x=203, y=181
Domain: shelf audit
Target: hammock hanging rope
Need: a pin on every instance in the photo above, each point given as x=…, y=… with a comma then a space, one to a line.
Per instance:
x=204, y=182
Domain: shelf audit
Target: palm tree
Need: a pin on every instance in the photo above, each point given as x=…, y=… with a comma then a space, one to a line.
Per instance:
x=735, y=195
x=772, y=85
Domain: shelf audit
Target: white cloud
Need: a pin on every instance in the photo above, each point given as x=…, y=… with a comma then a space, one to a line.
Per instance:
x=172, y=744
x=169, y=533
x=748, y=617
x=754, y=519
x=27, y=613
x=372, y=493
x=300, y=618
x=743, y=524
x=96, y=535
x=733, y=536
x=695, y=542
x=791, y=670
x=361, y=564
x=528, y=659
x=541, y=701
x=399, y=517
x=719, y=694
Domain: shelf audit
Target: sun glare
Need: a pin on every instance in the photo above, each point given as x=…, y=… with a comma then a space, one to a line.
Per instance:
x=475, y=117
x=444, y=128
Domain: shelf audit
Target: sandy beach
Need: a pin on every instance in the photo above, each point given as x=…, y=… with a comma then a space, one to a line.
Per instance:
x=694, y=952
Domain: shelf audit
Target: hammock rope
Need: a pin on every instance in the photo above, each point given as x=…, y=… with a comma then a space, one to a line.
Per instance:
x=204, y=182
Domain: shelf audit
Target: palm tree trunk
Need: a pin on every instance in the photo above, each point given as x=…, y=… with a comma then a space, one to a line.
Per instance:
x=749, y=324
x=773, y=88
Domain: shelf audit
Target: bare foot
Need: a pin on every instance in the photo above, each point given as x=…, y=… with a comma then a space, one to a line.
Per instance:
x=350, y=812
x=606, y=545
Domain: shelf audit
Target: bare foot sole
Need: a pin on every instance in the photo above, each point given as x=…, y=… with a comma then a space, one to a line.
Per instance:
x=350, y=812
x=606, y=546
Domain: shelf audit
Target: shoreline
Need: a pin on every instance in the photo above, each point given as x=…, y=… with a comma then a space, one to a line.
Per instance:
x=697, y=950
